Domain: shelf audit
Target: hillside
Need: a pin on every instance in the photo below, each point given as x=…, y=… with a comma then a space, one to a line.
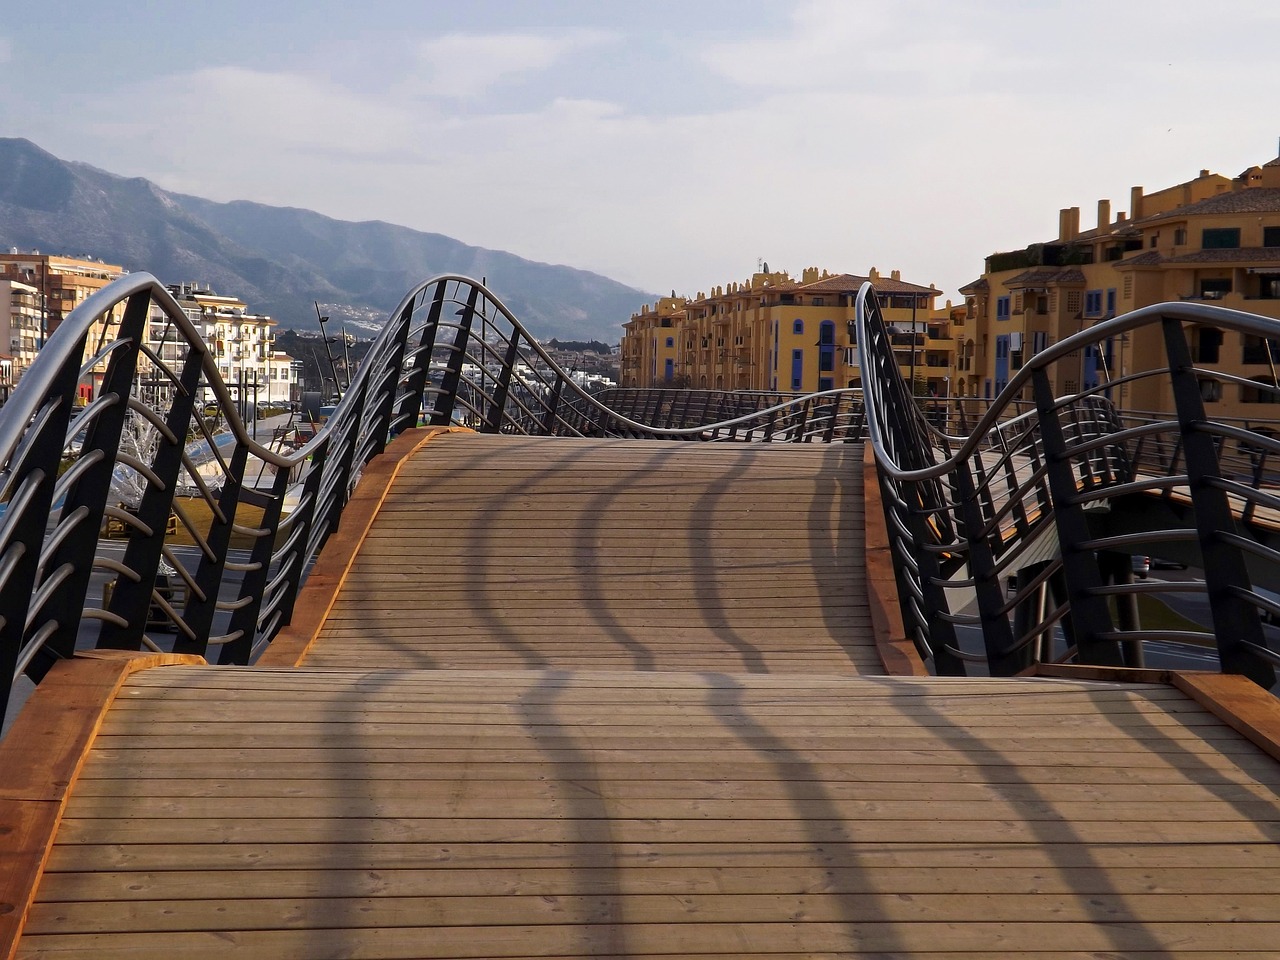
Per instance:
x=280, y=259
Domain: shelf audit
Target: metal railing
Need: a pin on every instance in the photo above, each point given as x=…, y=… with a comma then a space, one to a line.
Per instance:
x=138, y=509
x=1014, y=544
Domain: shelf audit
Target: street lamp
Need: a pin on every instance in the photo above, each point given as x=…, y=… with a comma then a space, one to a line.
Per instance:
x=915, y=300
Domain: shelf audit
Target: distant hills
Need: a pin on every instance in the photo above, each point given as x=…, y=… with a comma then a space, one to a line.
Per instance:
x=278, y=259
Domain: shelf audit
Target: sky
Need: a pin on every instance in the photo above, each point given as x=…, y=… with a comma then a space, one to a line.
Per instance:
x=667, y=144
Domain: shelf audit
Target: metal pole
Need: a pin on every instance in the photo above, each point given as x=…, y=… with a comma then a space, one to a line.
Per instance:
x=915, y=299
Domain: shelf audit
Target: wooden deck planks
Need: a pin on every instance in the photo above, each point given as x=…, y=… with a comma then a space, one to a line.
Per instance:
x=624, y=707
x=524, y=813
x=516, y=552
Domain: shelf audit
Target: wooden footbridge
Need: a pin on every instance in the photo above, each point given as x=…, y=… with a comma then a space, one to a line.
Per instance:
x=486, y=670
x=610, y=698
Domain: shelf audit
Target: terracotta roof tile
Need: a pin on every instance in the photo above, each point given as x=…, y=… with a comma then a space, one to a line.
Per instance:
x=850, y=283
x=977, y=286
x=1232, y=255
x=1150, y=258
x=1250, y=200
x=1040, y=276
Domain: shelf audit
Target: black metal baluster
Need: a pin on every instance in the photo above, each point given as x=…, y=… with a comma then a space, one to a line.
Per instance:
x=1235, y=620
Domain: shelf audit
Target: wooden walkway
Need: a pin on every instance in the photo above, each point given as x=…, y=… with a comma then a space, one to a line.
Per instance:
x=553, y=772
x=635, y=555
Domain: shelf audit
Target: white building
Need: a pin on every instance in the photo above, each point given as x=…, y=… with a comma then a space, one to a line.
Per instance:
x=242, y=344
x=19, y=331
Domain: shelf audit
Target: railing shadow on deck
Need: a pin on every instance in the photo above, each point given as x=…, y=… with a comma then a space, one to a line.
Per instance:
x=1020, y=535
x=139, y=509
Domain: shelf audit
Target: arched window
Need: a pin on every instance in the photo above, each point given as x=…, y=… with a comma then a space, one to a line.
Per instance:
x=1265, y=392
x=798, y=328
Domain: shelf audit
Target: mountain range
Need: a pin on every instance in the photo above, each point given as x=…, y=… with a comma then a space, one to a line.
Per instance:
x=280, y=260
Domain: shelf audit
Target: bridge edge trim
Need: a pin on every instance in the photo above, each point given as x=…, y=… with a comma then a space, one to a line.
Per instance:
x=318, y=595
x=42, y=756
x=897, y=653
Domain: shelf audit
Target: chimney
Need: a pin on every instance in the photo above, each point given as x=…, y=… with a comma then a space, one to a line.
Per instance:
x=1135, y=202
x=1064, y=223
x=1073, y=224
x=895, y=275
x=1104, y=214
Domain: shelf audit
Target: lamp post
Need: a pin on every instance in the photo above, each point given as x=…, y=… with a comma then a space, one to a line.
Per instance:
x=915, y=300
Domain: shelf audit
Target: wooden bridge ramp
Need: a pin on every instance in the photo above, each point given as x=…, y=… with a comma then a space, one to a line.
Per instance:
x=557, y=771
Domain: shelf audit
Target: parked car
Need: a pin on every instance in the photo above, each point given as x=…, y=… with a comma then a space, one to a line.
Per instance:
x=1141, y=566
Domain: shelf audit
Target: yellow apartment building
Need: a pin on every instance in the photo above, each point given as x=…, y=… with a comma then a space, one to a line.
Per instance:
x=774, y=332
x=1211, y=239
x=44, y=289
x=649, y=344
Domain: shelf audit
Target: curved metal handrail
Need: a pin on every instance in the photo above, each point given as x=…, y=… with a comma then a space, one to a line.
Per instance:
x=156, y=498
x=1048, y=498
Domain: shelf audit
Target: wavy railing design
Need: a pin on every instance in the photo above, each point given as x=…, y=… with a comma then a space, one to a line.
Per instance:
x=1013, y=544
x=153, y=517
x=674, y=413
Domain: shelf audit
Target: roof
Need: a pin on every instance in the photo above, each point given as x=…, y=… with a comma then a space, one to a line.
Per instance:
x=977, y=286
x=1232, y=255
x=1040, y=276
x=850, y=283
x=1149, y=258
x=1249, y=200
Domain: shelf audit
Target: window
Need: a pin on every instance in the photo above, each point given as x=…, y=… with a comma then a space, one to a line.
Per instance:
x=1215, y=288
x=1265, y=392
x=1179, y=236
x=1155, y=238
x=1208, y=345
x=797, y=368
x=798, y=328
x=1039, y=341
x=1271, y=236
x=1258, y=350
x=1093, y=303
x=671, y=341
x=1220, y=238
x=817, y=301
x=1002, y=308
x=1073, y=301
x=827, y=346
x=1111, y=302
x=1210, y=390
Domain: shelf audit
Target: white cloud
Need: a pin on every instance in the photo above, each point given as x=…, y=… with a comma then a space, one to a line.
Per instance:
x=467, y=65
x=865, y=140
